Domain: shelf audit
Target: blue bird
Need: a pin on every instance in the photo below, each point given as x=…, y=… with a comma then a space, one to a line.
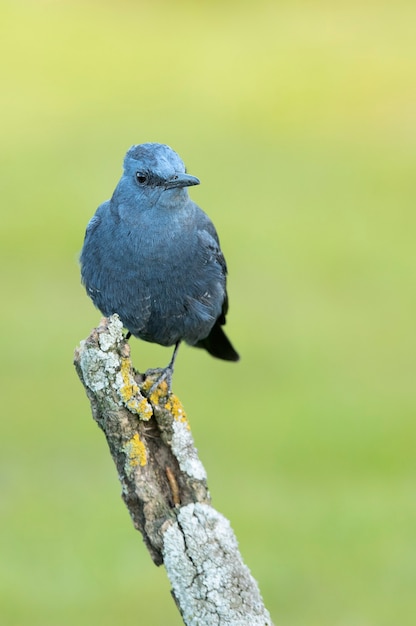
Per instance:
x=152, y=256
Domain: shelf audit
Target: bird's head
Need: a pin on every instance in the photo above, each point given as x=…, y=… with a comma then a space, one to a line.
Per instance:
x=153, y=173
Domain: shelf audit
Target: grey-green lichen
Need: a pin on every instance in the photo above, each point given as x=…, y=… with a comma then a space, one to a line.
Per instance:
x=109, y=367
x=184, y=450
x=210, y=581
x=98, y=367
x=113, y=336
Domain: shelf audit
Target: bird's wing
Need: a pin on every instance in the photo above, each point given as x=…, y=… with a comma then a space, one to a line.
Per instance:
x=209, y=240
x=92, y=225
x=96, y=219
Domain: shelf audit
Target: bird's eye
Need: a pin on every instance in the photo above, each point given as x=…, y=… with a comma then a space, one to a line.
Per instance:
x=141, y=178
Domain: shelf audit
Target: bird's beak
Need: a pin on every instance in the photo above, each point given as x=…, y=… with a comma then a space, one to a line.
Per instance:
x=181, y=180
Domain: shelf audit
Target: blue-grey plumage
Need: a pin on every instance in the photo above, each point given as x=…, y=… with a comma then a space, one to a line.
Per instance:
x=152, y=256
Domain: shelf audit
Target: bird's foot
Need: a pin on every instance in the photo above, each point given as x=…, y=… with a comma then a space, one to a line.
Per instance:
x=162, y=374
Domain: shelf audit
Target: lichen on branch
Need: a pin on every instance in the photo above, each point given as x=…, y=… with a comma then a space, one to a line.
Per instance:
x=164, y=485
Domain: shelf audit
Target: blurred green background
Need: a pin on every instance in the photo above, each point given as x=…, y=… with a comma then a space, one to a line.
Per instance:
x=299, y=118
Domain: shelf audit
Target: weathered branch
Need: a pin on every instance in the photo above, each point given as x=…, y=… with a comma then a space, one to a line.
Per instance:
x=164, y=486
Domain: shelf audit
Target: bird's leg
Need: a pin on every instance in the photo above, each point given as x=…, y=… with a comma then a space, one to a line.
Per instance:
x=165, y=373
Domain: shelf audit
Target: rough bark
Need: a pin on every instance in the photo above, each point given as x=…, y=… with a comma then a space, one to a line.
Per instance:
x=164, y=485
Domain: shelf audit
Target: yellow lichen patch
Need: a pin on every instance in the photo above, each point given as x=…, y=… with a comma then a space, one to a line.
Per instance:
x=129, y=387
x=161, y=390
x=144, y=409
x=147, y=384
x=136, y=455
x=174, y=405
x=130, y=395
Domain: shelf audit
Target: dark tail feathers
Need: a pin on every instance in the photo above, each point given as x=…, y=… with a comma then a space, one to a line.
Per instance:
x=218, y=344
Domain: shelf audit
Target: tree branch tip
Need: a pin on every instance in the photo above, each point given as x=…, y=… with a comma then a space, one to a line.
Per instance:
x=164, y=484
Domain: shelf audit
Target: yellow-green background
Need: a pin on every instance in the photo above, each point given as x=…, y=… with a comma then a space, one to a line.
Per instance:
x=300, y=120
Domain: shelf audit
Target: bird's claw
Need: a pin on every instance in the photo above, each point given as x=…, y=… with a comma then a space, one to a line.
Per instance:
x=164, y=374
